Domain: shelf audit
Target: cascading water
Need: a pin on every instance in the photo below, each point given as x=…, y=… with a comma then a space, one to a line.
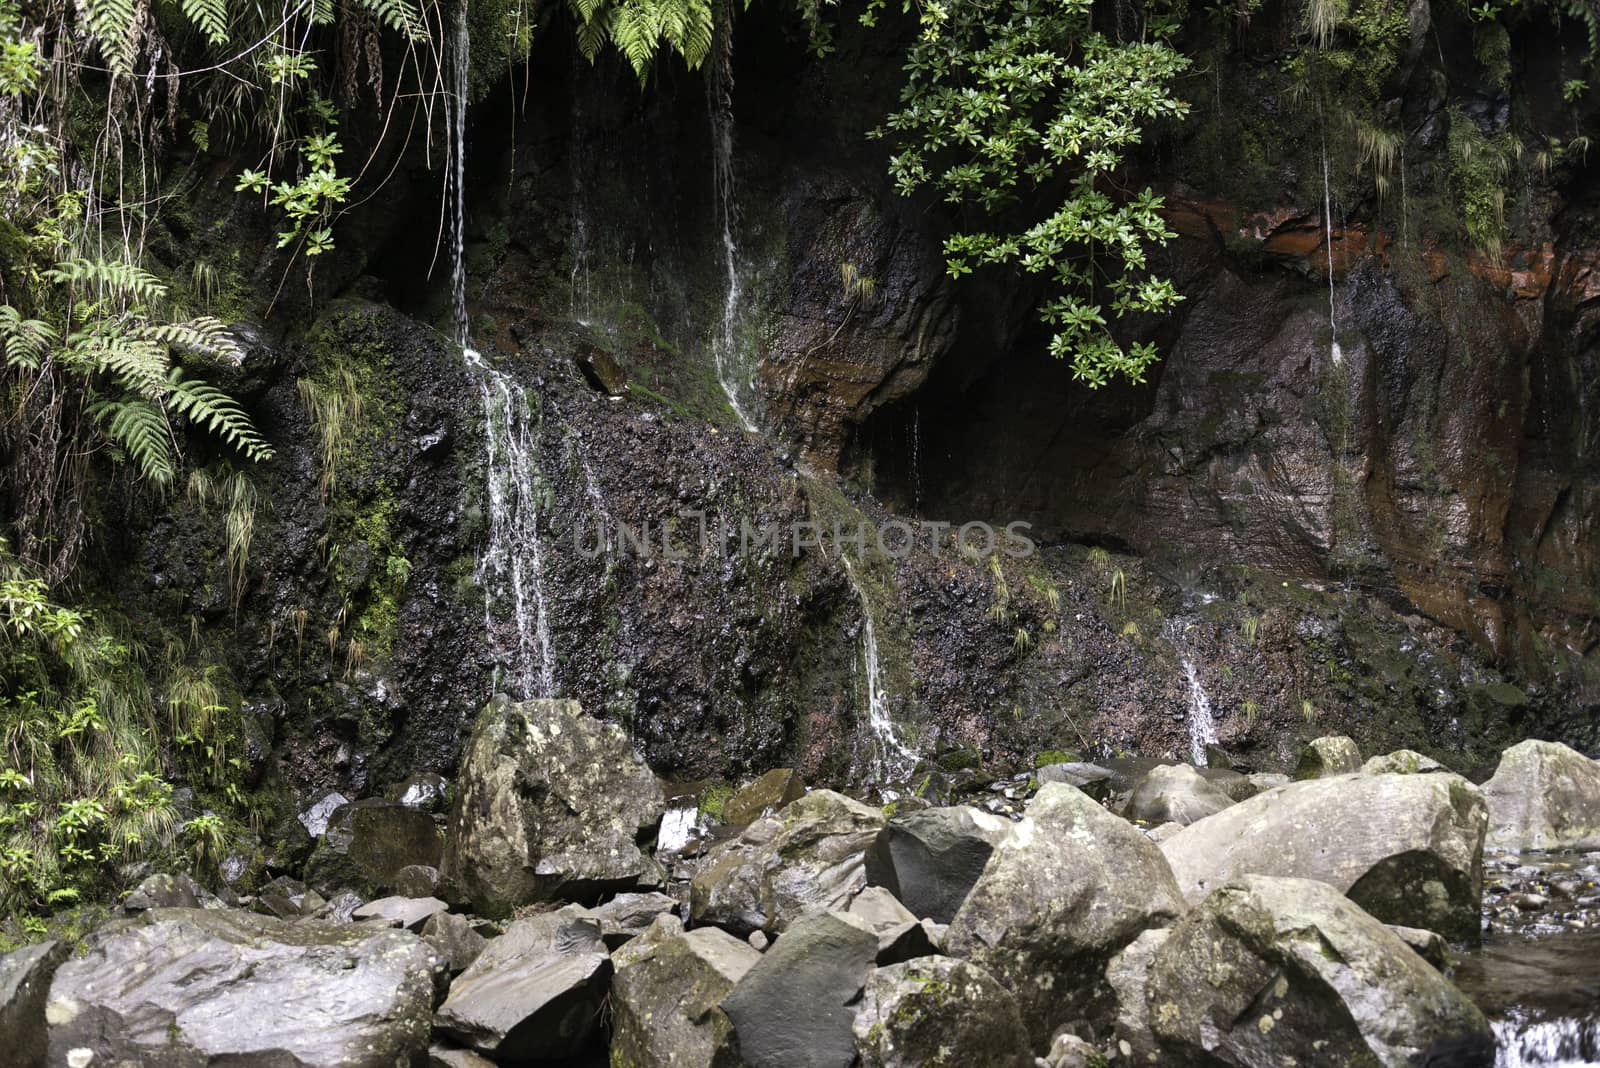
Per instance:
x=725, y=348
x=892, y=759
x=1202, y=724
x=510, y=570
x=1334, y=352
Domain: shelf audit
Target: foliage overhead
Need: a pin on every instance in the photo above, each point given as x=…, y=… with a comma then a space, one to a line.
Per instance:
x=1022, y=113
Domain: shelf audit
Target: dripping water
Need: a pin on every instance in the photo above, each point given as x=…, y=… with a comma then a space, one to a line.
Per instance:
x=916, y=461
x=1327, y=226
x=892, y=759
x=725, y=348
x=1201, y=722
x=510, y=570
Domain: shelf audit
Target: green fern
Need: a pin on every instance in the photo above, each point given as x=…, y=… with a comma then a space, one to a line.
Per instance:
x=141, y=431
x=114, y=26
x=140, y=366
x=400, y=16
x=27, y=341
x=210, y=17
x=109, y=277
x=206, y=405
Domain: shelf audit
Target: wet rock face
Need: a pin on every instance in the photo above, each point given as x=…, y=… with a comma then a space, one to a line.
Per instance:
x=549, y=800
x=1270, y=971
x=191, y=987
x=1408, y=848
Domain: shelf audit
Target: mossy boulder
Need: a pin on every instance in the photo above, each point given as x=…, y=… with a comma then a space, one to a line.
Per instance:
x=1328, y=755
x=938, y=1011
x=368, y=843
x=1270, y=971
x=808, y=858
x=1408, y=848
x=764, y=797
x=1402, y=762
x=1175, y=793
x=549, y=801
x=666, y=995
x=1063, y=894
x=1544, y=795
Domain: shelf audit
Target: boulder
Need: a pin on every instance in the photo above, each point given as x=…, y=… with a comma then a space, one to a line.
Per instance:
x=534, y=993
x=25, y=976
x=1270, y=971
x=901, y=936
x=931, y=859
x=549, y=800
x=627, y=915
x=1428, y=945
x=1332, y=754
x=408, y=912
x=1544, y=796
x=454, y=939
x=938, y=1010
x=1067, y=1050
x=666, y=995
x=1262, y=781
x=1128, y=975
x=193, y=987
x=808, y=858
x=793, y=1008
x=1061, y=896
x=1401, y=762
x=764, y=797
x=369, y=842
x=1408, y=848
x=426, y=790
x=1236, y=785
x=449, y=1057
x=1092, y=779
x=315, y=816
x=1175, y=793
x=165, y=891
x=416, y=880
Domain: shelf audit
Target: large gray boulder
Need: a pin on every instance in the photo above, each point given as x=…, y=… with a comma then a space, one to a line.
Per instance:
x=808, y=858
x=1175, y=793
x=1402, y=762
x=1129, y=977
x=369, y=842
x=189, y=988
x=549, y=801
x=938, y=1010
x=1061, y=895
x=765, y=796
x=666, y=997
x=1407, y=848
x=627, y=915
x=24, y=985
x=1544, y=796
x=1268, y=972
x=534, y=993
x=931, y=859
x=1332, y=754
x=794, y=1007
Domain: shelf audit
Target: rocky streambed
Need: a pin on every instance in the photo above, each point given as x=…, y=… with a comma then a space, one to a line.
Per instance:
x=559, y=905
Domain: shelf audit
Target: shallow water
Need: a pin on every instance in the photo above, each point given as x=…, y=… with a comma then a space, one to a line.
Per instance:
x=1541, y=993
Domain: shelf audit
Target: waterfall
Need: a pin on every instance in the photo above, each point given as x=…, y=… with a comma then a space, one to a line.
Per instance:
x=1334, y=351
x=891, y=757
x=1202, y=724
x=725, y=347
x=510, y=570
x=916, y=461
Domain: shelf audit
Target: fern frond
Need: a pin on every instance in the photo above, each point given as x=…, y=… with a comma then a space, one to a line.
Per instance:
x=210, y=17
x=400, y=16
x=204, y=404
x=203, y=334
x=109, y=276
x=585, y=10
x=141, y=430
x=634, y=31
x=700, y=27
x=112, y=25
x=140, y=366
x=27, y=341
x=592, y=34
